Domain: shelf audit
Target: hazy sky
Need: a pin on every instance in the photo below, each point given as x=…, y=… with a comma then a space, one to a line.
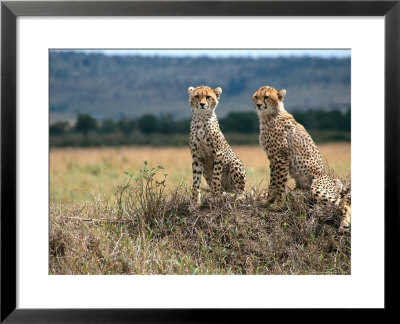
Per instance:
x=228, y=52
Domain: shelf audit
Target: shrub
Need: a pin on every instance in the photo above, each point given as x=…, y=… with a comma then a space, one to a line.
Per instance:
x=145, y=199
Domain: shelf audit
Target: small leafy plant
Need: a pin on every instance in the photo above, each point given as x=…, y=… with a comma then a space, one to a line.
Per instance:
x=145, y=195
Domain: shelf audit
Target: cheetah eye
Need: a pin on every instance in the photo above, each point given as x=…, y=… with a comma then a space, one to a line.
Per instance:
x=208, y=97
x=266, y=97
x=256, y=97
x=197, y=96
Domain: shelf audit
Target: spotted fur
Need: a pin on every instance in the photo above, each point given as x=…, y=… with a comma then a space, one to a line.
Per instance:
x=291, y=151
x=212, y=156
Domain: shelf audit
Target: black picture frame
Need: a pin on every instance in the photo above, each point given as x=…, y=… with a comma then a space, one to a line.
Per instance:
x=10, y=10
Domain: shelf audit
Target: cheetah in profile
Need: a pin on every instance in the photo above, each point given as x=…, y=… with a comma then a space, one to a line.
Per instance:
x=212, y=156
x=291, y=150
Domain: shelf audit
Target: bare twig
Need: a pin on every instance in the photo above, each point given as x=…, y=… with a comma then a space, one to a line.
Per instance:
x=97, y=219
x=194, y=224
x=122, y=234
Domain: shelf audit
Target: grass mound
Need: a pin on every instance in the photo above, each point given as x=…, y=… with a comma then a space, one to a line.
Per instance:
x=150, y=231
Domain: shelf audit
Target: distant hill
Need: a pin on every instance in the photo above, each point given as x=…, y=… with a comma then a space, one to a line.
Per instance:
x=129, y=86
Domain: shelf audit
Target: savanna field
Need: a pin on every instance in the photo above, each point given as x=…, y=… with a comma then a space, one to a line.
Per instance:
x=113, y=213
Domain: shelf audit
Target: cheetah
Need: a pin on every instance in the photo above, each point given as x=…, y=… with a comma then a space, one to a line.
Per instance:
x=212, y=156
x=291, y=151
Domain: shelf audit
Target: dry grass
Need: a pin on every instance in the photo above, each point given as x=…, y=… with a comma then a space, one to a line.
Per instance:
x=242, y=238
x=75, y=174
x=100, y=225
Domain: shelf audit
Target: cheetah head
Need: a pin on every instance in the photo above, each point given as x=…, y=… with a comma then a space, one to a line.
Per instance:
x=203, y=99
x=268, y=100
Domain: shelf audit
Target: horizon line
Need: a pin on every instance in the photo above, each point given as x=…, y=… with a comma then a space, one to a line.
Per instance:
x=216, y=53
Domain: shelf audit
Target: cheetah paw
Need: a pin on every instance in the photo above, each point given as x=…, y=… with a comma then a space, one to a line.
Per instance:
x=265, y=202
x=194, y=206
x=240, y=197
x=216, y=199
x=345, y=224
x=228, y=195
x=344, y=228
x=277, y=206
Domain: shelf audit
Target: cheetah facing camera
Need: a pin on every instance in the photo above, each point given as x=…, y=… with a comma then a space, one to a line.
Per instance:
x=211, y=154
x=291, y=150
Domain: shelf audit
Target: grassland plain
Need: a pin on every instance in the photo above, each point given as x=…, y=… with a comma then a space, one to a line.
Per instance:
x=105, y=221
x=76, y=174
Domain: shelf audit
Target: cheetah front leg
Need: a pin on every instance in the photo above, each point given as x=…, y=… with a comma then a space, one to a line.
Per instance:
x=216, y=178
x=279, y=170
x=238, y=174
x=197, y=168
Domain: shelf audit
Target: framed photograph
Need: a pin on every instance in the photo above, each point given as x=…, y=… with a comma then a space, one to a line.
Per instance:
x=144, y=173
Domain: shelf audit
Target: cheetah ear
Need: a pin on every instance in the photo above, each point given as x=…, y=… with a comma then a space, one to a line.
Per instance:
x=281, y=94
x=218, y=92
x=190, y=89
